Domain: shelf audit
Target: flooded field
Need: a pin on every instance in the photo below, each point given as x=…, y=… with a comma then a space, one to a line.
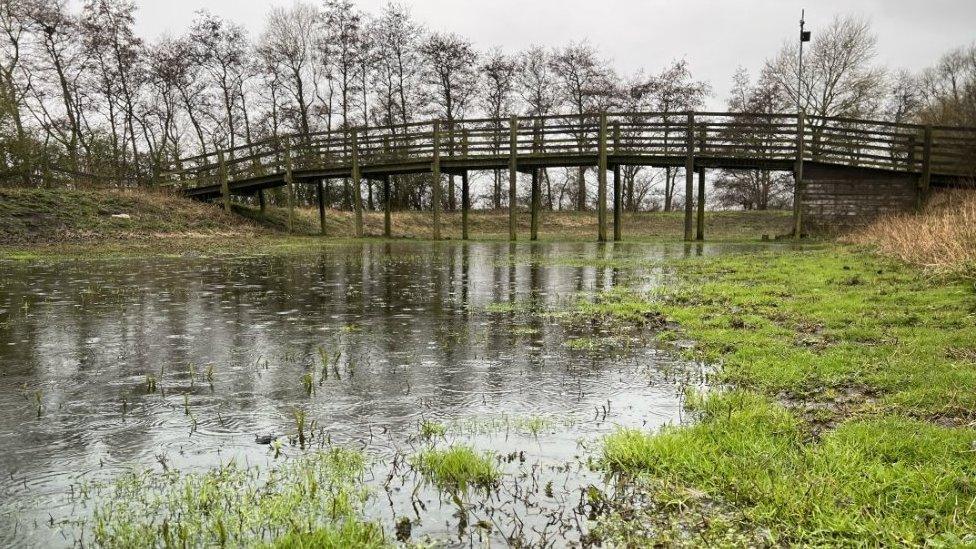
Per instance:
x=186, y=364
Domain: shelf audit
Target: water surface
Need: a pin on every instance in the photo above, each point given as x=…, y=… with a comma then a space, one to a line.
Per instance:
x=424, y=332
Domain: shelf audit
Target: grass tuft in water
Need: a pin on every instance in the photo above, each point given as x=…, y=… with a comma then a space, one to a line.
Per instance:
x=432, y=429
x=308, y=383
x=457, y=468
x=150, y=383
x=313, y=501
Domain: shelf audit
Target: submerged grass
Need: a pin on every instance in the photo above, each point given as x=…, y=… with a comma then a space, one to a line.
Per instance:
x=315, y=500
x=456, y=468
x=852, y=418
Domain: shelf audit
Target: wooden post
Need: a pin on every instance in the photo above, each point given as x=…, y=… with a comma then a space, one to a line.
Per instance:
x=798, y=176
x=435, y=184
x=617, y=189
x=926, y=180
x=465, y=190
x=512, y=176
x=536, y=200
x=602, y=181
x=357, y=192
x=321, y=197
x=289, y=183
x=387, y=207
x=224, y=183
x=262, y=202
x=910, y=157
x=689, y=175
x=700, y=234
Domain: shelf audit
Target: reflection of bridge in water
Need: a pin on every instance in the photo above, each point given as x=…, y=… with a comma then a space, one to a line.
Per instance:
x=847, y=168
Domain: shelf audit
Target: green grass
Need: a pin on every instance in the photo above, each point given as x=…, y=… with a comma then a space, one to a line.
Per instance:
x=315, y=500
x=855, y=394
x=457, y=468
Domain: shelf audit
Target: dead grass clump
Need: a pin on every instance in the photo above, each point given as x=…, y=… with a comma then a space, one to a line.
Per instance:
x=941, y=239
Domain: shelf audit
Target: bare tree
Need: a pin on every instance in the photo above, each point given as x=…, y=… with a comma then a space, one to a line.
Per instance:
x=451, y=80
x=755, y=189
x=948, y=89
x=498, y=97
x=673, y=90
x=288, y=49
x=109, y=34
x=60, y=71
x=537, y=85
x=587, y=85
x=839, y=77
x=14, y=25
x=222, y=49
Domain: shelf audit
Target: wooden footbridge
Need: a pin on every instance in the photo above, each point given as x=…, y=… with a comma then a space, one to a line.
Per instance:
x=845, y=168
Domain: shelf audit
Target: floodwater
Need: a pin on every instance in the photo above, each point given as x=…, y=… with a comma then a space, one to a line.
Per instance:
x=422, y=334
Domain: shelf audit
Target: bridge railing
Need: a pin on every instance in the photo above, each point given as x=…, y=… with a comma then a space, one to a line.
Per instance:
x=754, y=139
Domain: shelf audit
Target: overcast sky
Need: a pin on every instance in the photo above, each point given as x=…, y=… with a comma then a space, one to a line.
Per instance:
x=715, y=36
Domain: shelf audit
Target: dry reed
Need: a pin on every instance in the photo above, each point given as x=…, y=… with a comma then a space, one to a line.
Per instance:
x=941, y=239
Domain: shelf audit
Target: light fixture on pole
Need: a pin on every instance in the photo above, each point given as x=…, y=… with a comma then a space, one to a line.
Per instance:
x=804, y=37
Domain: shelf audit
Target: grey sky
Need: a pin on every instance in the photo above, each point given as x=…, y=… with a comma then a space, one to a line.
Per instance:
x=715, y=36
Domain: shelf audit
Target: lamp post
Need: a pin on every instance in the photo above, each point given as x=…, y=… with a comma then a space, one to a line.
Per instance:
x=804, y=37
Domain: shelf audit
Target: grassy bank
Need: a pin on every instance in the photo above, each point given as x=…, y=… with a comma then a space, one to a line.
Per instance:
x=560, y=225
x=37, y=217
x=58, y=222
x=844, y=414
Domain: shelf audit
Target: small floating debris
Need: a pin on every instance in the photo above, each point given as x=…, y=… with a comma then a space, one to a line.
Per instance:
x=265, y=439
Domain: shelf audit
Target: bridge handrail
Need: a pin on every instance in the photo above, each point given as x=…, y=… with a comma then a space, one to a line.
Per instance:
x=745, y=135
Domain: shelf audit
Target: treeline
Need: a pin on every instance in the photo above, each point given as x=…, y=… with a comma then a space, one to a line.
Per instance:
x=84, y=99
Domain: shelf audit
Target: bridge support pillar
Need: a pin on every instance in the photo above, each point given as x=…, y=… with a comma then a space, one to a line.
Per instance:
x=689, y=177
x=387, y=207
x=601, y=191
x=536, y=205
x=465, y=204
x=321, y=200
x=512, y=177
x=435, y=183
x=618, y=230
x=357, y=182
x=798, y=177
x=262, y=202
x=700, y=229
x=290, y=186
x=224, y=183
x=618, y=204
